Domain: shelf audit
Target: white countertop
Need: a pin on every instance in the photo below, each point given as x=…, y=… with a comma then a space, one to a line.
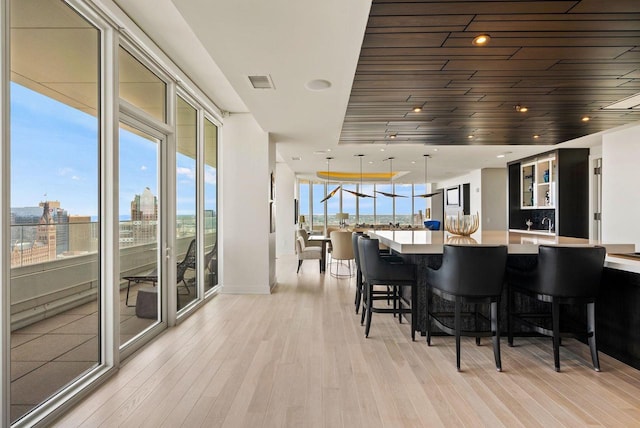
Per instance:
x=432, y=242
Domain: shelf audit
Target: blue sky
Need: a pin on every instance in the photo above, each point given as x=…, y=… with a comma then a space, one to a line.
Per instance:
x=54, y=152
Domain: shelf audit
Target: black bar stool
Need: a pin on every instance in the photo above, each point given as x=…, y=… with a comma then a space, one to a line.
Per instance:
x=379, y=270
x=471, y=275
x=562, y=276
x=359, y=283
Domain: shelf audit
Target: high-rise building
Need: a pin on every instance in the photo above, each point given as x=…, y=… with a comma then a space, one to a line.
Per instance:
x=43, y=247
x=26, y=220
x=143, y=227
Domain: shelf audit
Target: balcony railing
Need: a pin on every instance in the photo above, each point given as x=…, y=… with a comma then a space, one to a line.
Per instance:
x=41, y=288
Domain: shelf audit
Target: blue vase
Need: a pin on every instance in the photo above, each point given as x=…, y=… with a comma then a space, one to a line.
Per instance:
x=545, y=176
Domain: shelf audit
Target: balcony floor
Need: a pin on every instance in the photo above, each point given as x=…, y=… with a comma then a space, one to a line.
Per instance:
x=49, y=354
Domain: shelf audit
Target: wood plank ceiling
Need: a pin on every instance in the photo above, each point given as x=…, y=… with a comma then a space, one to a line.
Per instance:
x=563, y=60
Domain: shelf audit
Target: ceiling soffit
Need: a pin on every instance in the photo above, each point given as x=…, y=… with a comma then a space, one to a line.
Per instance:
x=562, y=60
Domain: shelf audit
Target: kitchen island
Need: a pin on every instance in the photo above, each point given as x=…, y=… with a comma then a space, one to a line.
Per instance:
x=618, y=317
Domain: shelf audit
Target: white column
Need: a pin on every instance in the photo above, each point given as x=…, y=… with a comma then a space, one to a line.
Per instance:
x=244, y=206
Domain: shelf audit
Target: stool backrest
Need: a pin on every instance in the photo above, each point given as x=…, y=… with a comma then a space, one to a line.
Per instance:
x=361, y=255
x=570, y=271
x=356, y=253
x=473, y=270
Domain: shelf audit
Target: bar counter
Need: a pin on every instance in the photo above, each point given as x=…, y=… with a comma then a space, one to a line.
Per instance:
x=432, y=242
x=617, y=314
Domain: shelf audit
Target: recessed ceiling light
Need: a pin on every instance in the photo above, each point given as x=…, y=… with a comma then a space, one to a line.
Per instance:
x=413, y=161
x=328, y=150
x=481, y=40
x=469, y=136
x=435, y=150
x=500, y=156
x=417, y=109
x=319, y=152
x=536, y=136
x=382, y=150
x=586, y=119
x=522, y=109
x=392, y=136
x=317, y=85
x=370, y=162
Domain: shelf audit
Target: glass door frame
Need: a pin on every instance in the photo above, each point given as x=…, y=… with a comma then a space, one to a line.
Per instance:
x=162, y=133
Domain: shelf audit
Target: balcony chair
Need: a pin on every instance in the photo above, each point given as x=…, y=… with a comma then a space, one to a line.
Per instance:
x=470, y=275
x=378, y=270
x=307, y=253
x=562, y=276
x=188, y=262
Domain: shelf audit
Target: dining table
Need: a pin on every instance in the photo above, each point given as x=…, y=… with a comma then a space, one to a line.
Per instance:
x=324, y=240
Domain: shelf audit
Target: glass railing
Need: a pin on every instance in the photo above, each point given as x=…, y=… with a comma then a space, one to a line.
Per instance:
x=40, y=243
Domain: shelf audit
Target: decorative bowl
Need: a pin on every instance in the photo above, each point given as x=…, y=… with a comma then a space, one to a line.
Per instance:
x=460, y=224
x=432, y=224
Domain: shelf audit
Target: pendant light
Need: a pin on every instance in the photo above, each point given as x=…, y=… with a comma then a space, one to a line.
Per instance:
x=358, y=194
x=391, y=195
x=426, y=195
x=333, y=192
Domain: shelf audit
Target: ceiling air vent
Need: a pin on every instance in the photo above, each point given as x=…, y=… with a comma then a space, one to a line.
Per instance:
x=261, y=82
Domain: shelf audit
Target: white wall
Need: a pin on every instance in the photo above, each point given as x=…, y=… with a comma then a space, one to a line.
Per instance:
x=494, y=190
x=285, y=225
x=488, y=195
x=620, y=191
x=244, y=207
x=474, y=178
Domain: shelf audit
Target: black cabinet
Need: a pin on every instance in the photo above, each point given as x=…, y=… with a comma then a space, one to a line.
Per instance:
x=552, y=185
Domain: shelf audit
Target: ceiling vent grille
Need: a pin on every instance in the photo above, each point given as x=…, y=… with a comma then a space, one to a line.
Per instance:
x=261, y=82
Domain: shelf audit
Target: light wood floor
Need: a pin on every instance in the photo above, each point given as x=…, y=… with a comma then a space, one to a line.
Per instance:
x=299, y=358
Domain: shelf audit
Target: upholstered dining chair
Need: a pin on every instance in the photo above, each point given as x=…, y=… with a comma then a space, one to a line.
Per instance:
x=342, y=251
x=307, y=253
x=305, y=235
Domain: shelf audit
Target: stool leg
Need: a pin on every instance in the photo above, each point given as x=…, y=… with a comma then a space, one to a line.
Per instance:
x=509, y=315
x=495, y=317
x=555, y=316
x=299, y=264
x=457, y=323
x=591, y=331
x=414, y=315
x=428, y=317
x=366, y=301
x=369, y=311
x=475, y=325
x=358, y=290
x=399, y=302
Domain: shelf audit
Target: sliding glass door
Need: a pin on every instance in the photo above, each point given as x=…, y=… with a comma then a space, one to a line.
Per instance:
x=55, y=190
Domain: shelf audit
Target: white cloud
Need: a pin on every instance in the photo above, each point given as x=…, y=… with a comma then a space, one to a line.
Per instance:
x=64, y=171
x=75, y=177
x=188, y=172
x=143, y=168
